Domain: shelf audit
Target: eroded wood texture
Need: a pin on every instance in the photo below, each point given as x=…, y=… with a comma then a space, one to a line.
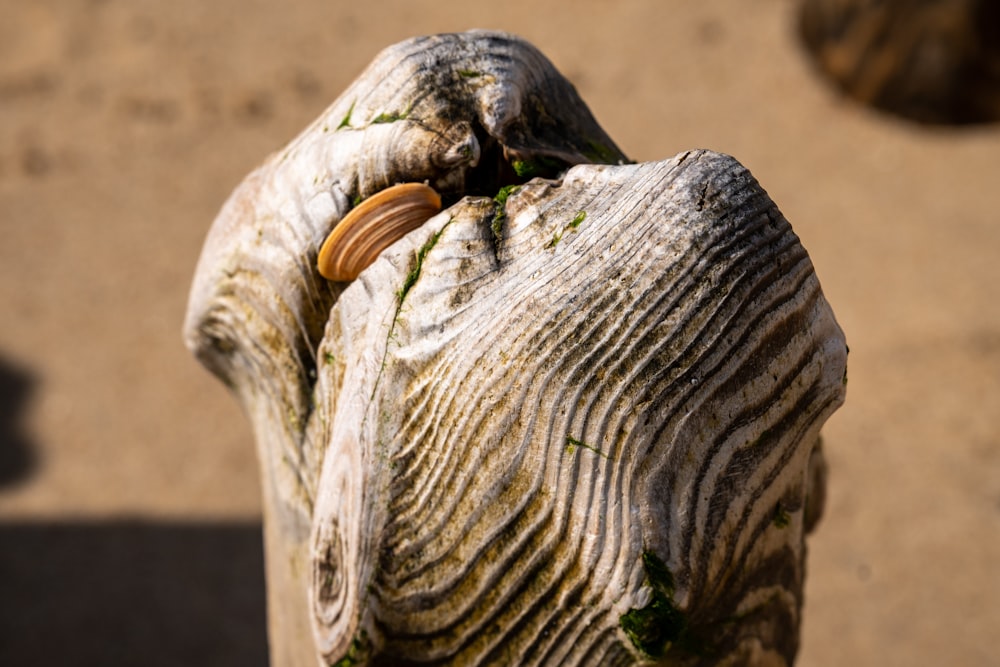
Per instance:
x=576, y=425
x=638, y=367
x=463, y=112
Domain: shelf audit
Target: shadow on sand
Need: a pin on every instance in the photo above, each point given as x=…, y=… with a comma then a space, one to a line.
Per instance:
x=132, y=593
x=128, y=592
x=18, y=458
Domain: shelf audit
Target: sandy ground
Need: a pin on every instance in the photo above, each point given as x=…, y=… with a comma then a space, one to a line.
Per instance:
x=129, y=505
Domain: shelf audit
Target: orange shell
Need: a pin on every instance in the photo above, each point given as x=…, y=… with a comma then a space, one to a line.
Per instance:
x=374, y=225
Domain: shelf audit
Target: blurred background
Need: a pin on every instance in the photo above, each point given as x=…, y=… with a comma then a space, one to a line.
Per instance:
x=129, y=501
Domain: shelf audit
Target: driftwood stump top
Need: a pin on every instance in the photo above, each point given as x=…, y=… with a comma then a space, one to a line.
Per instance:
x=572, y=418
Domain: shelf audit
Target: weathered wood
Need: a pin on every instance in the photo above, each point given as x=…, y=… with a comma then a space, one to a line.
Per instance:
x=571, y=422
x=932, y=61
x=432, y=108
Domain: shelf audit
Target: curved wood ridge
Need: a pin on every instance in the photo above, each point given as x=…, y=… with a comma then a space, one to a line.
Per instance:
x=465, y=113
x=635, y=381
x=571, y=419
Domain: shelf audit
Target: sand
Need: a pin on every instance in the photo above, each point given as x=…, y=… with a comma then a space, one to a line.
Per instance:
x=129, y=502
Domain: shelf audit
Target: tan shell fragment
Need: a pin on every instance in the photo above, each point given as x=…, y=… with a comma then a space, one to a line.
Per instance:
x=374, y=225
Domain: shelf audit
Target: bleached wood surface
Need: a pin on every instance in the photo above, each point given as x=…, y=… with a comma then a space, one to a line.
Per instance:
x=574, y=427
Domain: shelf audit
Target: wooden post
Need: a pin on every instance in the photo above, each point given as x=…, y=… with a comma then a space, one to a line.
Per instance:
x=571, y=419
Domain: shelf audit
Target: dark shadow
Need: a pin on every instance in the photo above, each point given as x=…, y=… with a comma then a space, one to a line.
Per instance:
x=132, y=593
x=18, y=456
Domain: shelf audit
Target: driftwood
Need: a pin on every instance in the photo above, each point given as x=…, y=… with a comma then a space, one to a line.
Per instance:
x=932, y=61
x=571, y=419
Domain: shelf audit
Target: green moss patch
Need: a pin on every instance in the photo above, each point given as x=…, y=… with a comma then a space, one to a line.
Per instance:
x=501, y=209
x=541, y=165
x=781, y=517
x=357, y=654
x=414, y=273
x=573, y=443
x=391, y=117
x=600, y=153
x=346, y=122
x=571, y=227
x=655, y=628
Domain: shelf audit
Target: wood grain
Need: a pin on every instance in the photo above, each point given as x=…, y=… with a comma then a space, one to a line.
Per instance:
x=570, y=422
